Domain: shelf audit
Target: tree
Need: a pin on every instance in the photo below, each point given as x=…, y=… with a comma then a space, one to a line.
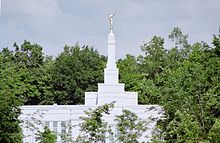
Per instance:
x=66, y=136
x=192, y=89
x=185, y=81
x=30, y=57
x=178, y=38
x=139, y=73
x=10, y=89
x=183, y=128
x=18, y=84
x=214, y=132
x=216, y=43
x=10, y=131
x=45, y=136
x=76, y=70
x=129, y=72
x=153, y=62
x=130, y=127
x=93, y=128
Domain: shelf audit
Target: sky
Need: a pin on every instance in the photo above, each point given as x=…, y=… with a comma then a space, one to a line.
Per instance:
x=55, y=23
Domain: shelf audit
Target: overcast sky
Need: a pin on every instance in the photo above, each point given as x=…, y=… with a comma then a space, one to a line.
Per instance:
x=54, y=23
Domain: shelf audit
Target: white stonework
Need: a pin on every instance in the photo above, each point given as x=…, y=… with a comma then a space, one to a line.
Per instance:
x=55, y=116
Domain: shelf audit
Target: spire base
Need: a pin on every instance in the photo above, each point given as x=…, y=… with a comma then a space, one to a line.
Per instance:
x=111, y=76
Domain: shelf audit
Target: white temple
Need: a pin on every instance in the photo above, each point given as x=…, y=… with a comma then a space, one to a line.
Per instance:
x=56, y=116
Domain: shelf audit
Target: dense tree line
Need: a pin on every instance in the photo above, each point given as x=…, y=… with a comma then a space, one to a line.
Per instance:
x=184, y=79
x=28, y=77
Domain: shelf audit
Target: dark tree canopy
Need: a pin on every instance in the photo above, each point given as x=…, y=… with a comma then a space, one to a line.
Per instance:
x=76, y=70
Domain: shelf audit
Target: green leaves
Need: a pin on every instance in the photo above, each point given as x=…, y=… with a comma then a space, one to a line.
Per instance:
x=183, y=128
x=187, y=91
x=178, y=38
x=184, y=80
x=214, y=132
x=46, y=136
x=10, y=89
x=44, y=80
x=93, y=128
x=130, y=127
x=76, y=70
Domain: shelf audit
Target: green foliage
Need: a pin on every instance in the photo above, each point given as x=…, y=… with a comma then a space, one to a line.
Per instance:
x=10, y=89
x=20, y=77
x=214, y=132
x=185, y=81
x=62, y=81
x=30, y=57
x=28, y=60
x=192, y=88
x=129, y=72
x=93, y=128
x=183, y=128
x=27, y=77
x=178, y=38
x=153, y=62
x=66, y=136
x=46, y=136
x=75, y=71
x=130, y=127
x=216, y=43
x=10, y=131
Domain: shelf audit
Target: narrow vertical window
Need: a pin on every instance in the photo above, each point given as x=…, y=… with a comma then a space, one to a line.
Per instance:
x=47, y=124
x=63, y=127
x=55, y=126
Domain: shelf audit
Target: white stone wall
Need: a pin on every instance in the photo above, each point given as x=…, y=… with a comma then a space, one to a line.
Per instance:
x=55, y=116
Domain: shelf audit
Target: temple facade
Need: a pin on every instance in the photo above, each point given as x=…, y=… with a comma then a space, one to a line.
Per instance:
x=56, y=117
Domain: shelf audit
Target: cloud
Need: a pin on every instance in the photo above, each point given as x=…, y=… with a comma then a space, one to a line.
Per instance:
x=54, y=23
x=34, y=20
x=32, y=8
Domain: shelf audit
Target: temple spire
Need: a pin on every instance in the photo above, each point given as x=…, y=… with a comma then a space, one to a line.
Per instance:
x=111, y=71
x=111, y=45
